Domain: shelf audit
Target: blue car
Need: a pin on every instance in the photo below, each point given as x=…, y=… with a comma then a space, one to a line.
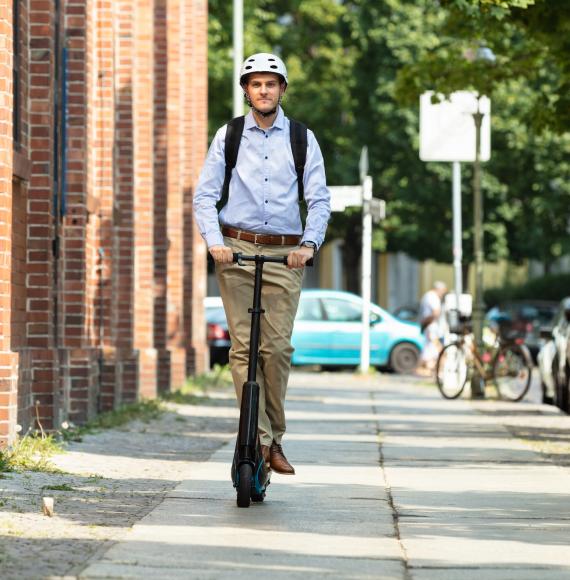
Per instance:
x=328, y=328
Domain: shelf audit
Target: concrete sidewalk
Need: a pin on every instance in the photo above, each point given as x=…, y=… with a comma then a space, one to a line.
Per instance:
x=392, y=483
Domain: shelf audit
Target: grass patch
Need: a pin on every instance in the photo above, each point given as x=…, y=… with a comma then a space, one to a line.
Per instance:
x=144, y=411
x=32, y=452
x=196, y=388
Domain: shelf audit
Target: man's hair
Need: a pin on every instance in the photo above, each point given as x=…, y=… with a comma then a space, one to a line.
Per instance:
x=439, y=285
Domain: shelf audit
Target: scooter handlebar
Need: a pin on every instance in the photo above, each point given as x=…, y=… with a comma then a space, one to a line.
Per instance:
x=238, y=258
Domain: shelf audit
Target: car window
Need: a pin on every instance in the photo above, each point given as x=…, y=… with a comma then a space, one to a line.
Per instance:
x=215, y=315
x=338, y=310
x=310, y=309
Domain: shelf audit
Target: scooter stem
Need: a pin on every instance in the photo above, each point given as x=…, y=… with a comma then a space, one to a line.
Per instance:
x=256, y=313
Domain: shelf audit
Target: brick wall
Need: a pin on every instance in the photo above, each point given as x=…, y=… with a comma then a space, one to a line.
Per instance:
x=8, y=361
x=100, y=304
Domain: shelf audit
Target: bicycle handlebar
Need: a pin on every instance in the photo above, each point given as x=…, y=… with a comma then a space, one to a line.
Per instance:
x=239, y=258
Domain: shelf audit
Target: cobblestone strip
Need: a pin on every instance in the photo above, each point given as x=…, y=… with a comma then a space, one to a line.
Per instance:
x=110, y=480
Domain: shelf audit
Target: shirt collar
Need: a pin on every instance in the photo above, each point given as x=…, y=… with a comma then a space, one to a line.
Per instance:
x=279, y=122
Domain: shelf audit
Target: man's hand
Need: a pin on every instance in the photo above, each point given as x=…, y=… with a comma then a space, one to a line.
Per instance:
x=222, y=254
x=299, y=257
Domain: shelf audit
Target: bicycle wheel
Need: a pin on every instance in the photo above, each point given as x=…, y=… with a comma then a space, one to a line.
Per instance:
x=512, y=372
x=451, y=371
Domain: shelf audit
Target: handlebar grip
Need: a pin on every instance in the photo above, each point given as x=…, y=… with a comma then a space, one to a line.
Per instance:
x=237, y=256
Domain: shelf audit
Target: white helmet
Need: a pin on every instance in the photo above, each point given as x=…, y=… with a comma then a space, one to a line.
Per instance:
x=263, y=62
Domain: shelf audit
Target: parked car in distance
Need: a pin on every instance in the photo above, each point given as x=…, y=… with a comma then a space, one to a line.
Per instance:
x=525, y=318
x=217, y=333
x=328, y=332
x=554, y=360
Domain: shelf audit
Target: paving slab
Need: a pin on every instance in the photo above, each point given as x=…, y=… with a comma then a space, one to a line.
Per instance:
x=392, y=482
x=332, y=519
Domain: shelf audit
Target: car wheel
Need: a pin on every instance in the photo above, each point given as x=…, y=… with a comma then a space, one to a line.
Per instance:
x=404, y=358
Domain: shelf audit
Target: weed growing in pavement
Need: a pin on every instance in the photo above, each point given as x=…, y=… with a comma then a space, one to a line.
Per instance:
x=61, y=487
x=31, y=453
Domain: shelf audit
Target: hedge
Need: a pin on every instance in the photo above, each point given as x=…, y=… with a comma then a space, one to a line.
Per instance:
x=550, y=287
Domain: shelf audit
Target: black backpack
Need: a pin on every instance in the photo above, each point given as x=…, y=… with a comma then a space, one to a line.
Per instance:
x=232, y=143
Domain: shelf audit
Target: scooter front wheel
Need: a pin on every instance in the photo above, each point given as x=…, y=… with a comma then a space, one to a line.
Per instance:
x=244, y=485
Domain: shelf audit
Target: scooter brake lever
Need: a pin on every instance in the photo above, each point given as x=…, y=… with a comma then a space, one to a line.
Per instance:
x=237, y=259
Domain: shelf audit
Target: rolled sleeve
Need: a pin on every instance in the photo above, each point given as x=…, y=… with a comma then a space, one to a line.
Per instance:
x=317, y=194
x=209, y=191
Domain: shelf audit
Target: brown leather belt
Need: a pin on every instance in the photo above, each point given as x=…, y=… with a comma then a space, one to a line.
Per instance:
x=269, y=239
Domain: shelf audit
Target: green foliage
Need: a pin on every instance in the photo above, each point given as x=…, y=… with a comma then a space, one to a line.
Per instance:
x=357, y=68
x=550, y=287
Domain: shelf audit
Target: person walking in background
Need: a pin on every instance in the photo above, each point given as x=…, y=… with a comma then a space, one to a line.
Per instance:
x=261, y=215
x=430, y=319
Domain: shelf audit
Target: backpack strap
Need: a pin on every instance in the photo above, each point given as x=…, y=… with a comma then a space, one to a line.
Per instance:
x=232, y=141
x=298, y=135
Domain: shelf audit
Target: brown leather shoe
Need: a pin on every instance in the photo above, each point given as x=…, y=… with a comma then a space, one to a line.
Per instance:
x=265, y=454
x=278, y=460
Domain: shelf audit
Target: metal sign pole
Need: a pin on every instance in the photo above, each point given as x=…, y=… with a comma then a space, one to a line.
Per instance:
x=238, y=56
x=366, y=273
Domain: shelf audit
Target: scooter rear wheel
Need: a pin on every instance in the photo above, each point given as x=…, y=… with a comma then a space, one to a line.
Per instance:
x=244, y=485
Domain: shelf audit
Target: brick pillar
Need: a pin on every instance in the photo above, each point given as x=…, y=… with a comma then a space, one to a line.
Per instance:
x=162, y=65
x=143, y=150
x=38, y=383
x=105, y=304
x=8, y=359
x=178, y=101
x=195, y=126
x=80, y=227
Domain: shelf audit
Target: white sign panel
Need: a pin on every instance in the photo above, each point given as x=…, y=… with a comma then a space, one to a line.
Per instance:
x=343, y=196
x=447, y=129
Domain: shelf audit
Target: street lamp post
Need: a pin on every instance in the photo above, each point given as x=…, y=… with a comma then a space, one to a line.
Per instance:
x=477, y=390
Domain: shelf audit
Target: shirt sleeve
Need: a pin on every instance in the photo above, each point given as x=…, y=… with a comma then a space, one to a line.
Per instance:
x=317, y=195
x=209, y=191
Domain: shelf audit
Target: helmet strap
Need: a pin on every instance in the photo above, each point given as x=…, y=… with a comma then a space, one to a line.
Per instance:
x=262, y=113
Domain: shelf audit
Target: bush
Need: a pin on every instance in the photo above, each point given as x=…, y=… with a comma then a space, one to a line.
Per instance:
x=551, y=287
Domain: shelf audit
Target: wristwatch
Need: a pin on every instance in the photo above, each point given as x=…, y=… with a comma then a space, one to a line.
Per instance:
x=309, y=244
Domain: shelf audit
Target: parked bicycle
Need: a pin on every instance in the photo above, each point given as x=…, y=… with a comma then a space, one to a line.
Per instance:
x=507, y=364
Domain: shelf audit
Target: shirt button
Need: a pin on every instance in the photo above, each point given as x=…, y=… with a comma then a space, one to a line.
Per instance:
x=266, y=136
x=266, y=157
x=266, y=201
x=265, y=223
x=266, y=179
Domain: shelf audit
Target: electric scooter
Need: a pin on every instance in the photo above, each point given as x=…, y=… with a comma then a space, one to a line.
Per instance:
x=250, y=474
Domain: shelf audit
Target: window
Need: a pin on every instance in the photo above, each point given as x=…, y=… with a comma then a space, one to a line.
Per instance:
x=310, y=309
x=342, y=310
x=346, y=311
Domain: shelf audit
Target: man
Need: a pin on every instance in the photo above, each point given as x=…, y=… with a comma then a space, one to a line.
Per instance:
x=429, y=318
x=262, y=217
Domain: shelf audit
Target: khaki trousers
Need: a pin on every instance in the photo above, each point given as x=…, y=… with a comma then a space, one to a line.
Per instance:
x=280, y=293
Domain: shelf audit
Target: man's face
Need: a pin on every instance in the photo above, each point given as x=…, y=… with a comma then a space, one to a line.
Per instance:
x=264, y=90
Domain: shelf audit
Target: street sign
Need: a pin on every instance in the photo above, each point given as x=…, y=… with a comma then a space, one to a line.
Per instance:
x=377, y=209
x=343, y=196
x=447, y=129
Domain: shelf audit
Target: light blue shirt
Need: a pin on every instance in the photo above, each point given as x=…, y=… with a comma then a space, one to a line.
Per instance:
x=263, y=195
